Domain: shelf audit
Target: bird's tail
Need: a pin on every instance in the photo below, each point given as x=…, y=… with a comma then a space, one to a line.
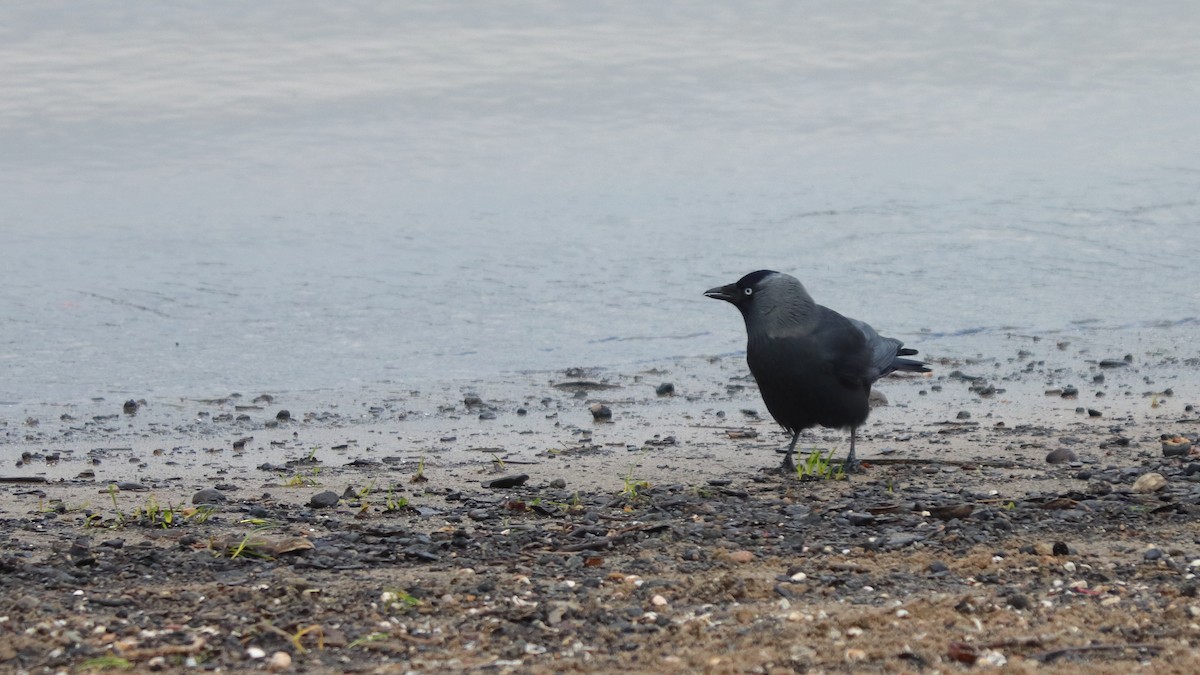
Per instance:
x=909, y=365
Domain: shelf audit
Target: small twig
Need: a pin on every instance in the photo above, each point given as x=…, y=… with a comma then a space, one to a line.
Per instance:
x=148, y=653
x=1029, y=641
x=1055, y=654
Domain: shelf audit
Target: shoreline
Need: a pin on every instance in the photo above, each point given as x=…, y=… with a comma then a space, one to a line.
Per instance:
x=368, y=537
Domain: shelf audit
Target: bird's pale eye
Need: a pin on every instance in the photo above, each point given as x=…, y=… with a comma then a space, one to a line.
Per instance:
x=749, y=291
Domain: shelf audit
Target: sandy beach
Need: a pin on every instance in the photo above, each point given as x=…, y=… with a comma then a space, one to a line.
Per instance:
x=499, y=526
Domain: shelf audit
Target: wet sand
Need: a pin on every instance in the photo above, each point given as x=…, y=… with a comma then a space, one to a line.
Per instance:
x=654, y=539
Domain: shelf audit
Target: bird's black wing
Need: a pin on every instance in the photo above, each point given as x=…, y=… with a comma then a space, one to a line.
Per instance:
x=883, y=350
x=846, y=348
x=810, y=379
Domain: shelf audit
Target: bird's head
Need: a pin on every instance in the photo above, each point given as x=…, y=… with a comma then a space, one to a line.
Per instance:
x=743, y=292
x=767, y=299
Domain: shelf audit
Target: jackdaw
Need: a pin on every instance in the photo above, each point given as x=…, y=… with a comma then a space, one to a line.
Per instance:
x=813, y=365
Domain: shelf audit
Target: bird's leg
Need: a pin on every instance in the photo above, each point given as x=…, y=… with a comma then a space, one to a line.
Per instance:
x=851, y=463
x=789, y=466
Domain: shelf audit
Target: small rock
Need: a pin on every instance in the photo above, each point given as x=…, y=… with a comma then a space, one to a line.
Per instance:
x=1150, y=482
x=1061, y=456
x=665, y=389
x=507, y=481
x=487, y=415
x=964, y=415
x=472, y=400
x=255, y=653
x=130, y=407
x=209, y=496
x=1060, y=548
x=601, y=411
x=324, y=500
x=742, y=556
x=877, y=399
x=1018, y=601
x=1152, y=554
x=558, y=483
x=856, y=518
x=1092, y=412
x=1176, y=446
x=283, y=415
x=279, y=662
x=1069, y=392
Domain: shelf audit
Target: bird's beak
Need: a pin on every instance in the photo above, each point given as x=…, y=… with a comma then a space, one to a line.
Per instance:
x=728, y=293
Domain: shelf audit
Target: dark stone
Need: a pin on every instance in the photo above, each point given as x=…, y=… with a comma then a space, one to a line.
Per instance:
x=1061, y=456
x=208, y=496
x=1060, y=548
x=601, y=412
x=324, y=500
x=507, y=481
x=130, y=407
x=1152, y=554
x=665, y=389
x=283, y=415
x=1018, y=601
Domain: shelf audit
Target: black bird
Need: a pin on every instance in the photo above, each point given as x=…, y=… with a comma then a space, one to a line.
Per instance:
x=813, y=365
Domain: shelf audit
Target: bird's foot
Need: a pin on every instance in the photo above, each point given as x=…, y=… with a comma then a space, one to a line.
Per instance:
x=788, y=468
x=851, y=464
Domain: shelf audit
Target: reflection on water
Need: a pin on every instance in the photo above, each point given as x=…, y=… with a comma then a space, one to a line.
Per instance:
x=280, y=196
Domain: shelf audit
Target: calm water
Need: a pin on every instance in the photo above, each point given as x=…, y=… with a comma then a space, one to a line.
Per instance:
x=198, y=198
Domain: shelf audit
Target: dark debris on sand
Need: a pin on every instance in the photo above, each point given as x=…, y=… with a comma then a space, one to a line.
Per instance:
x=899, y=571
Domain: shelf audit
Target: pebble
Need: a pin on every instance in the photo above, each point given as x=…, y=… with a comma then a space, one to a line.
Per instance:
x=1150, y=482
x=860, y=518
x=1018, y=601
x=742, y=556
x=255, y=653
x=507, y=481
x=283, y=415
x=279, y=662
x=208, y=496
x=324, y=500
x=1152, y=554
x=472, y=399
x=1061, y=456
x=601, y=411
x=665, y=389
x=130, y=407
